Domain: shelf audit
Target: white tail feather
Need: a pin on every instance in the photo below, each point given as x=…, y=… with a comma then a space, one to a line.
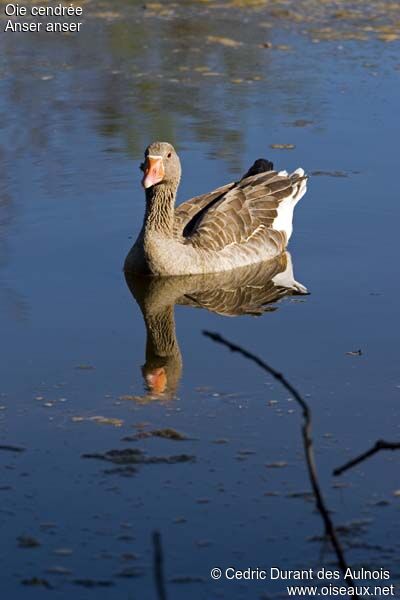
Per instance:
x=286, y=278
x=284, y=218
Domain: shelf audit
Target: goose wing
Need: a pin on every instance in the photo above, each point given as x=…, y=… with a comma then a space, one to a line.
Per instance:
x=241, y=212
x=190, y=212
x=248, y=292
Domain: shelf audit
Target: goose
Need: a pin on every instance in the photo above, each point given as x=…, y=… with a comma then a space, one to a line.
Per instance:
x=238, y=224
x=247, y=291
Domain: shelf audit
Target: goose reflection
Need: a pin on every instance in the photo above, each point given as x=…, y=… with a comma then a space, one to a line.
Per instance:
x=250, y=290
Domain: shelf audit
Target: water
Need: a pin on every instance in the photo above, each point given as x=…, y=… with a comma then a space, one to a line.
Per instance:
x=77, y=113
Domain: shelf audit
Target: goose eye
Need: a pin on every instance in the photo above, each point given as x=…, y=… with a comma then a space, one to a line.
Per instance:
x=169, y=155
x=141, y=166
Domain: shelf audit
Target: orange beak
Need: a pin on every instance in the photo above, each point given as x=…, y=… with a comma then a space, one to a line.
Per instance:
x=157, y=380
x=153, y=171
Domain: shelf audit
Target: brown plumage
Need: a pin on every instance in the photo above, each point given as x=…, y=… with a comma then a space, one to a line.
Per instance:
x=248, y=290
x=238, y=224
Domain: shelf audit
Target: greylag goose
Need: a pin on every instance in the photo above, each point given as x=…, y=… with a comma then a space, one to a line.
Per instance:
x=250, y=290
x=238, y=224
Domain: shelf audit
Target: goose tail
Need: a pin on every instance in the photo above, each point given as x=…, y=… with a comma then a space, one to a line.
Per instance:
x=284, y=219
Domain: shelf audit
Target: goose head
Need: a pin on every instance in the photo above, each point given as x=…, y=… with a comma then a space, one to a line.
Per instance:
x=161, y=166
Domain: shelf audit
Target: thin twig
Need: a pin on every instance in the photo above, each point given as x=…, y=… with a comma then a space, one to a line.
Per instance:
x=379, y=445
x=159, y=566
x=307, y=441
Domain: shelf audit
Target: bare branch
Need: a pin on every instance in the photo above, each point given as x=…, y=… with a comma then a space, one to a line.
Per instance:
x=379, y=445
x=307, y=442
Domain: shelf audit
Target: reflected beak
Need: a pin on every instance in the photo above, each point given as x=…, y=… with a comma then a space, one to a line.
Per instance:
x=157, y=380
x=153, y=171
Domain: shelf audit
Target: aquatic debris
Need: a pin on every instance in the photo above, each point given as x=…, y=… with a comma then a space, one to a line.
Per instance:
x=158, y=9
x=346, y=14
x=301, y=123
x=332, y=173
x=224, y=41
x=381, y=503
x=126, y=538
x=128, y=471
x=37, y=581
x=136, y=456
x=58, y=570
x=9, y=448
x=99, y=419
x=179, y=520
x=63, y=551
x=131, y=397
x=107, y=15
x=279, y=464
x=354, y=528
x=27, y=541
x=351, y=530
x=167, y=433
x=129, y=556
x=91, y=583
x=354, y=353
x=130, y=572
x=303, y=495
x=282, y=146
x=388, y=37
